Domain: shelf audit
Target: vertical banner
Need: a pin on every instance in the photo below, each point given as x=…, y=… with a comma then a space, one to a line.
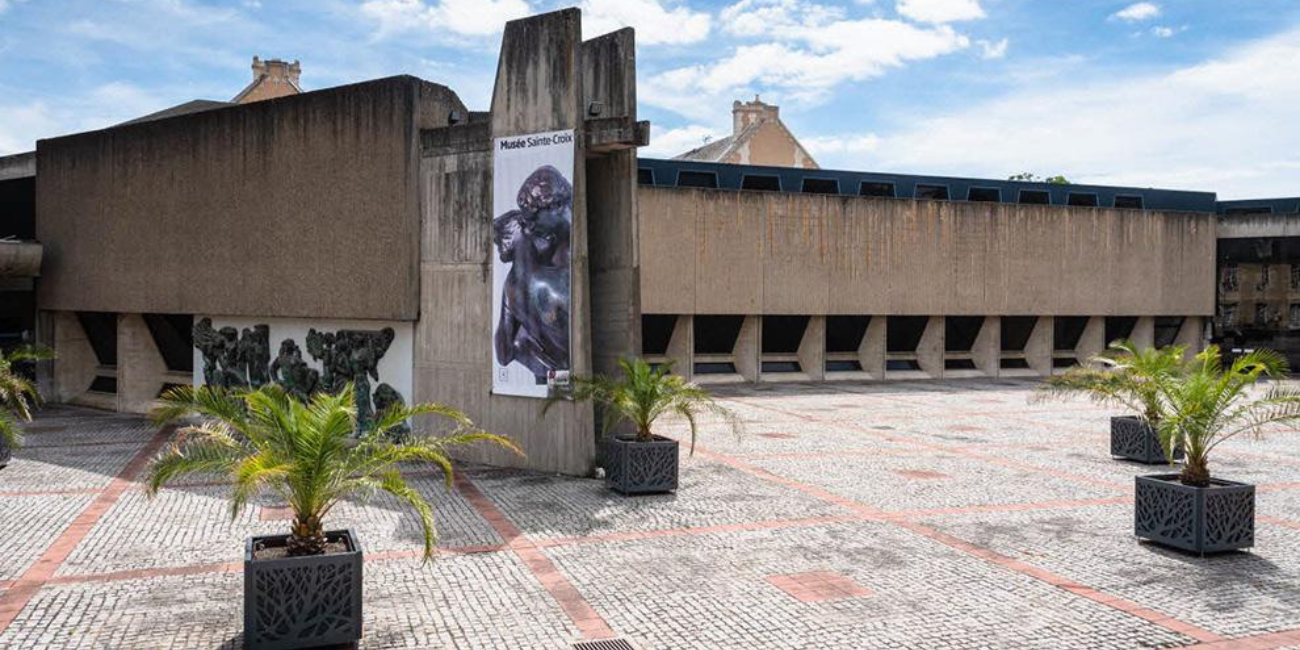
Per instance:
x=532, y=207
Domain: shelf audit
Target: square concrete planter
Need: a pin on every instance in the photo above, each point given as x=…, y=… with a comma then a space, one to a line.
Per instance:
x=5, y=454
x=1133, y=439
x=633, y=467
x=302, y=602
x=1220, y=517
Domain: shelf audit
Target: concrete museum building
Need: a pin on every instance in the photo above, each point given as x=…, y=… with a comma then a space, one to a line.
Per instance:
x=384, y=233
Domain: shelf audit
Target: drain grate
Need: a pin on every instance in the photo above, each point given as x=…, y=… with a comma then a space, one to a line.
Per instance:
x=604, y=644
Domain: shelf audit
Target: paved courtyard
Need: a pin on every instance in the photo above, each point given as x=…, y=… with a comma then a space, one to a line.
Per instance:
x=916, y=515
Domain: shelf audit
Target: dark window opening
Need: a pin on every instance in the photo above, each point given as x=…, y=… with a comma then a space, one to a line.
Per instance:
x=1119, y=327
x=783, y=334
x=844, y=333
x=1016, y=331
x=1245, y=212
x=1064, y=362
x=1128, y=202
x=1081, y=199
x=1167, y=328
x=843, y=366
x=173, y=334
x=17, y=318
x=101, y=330
x=717, y=334
x=1016, y=363
x=959, y=364
x=645, y=176
x=102, y=384
x=931, y=192
x=960, y=332
x=18, y=208
x=760, y=182
x=781, y=366
x=903, y=333
x=697, y=179
x=820, y=186
x=715, y=368
x=1035, y=197
x=869, y=188
x=984, y=195
x=657, y=333
x=1067, y=330
x=902, y=364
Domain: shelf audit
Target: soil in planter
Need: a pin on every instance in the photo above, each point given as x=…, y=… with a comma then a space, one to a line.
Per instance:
x=276, y=549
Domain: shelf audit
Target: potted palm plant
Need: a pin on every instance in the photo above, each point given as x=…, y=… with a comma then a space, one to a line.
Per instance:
x=303, y=589
x=18, y=396
x=1205, y=406
x=1128, y=377
x=642, y=462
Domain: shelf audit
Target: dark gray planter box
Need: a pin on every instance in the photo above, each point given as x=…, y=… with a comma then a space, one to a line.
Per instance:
x=633, y=467
x=1133, y=439
x=5, y=454
x=1201, y=520
x=302, y=602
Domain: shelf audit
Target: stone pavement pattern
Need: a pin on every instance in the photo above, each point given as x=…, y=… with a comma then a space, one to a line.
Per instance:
x=919, y=515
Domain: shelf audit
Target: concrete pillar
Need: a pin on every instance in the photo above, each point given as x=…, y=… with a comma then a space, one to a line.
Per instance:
x=812, y=349
x=141, y=371
x=681, y=347
x=1039, y=348
x=987, y=351
x=1093, y=341
x=746, y=352
x=871, y=353
x=1144, y=333
x=929, y=352
x=75, y=366
x=1192, y=335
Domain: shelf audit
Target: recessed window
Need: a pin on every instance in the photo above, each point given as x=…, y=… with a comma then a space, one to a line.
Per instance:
x=845, y=333
x=872, y=188
x=959, y=364
x=820, y=186
x=1166, y=330
x=697, y=179
x=931, y=192
x=1246, y=212
x=1035, y=197
x=903, y=333
x=781, y=366
x=717, y=334
x=1128, y=202
x=1016, y=363
x=843, y=366
x=1119, y=327
x=984, y=195
x=1016, y=331
x=760, y=182
x=715, y=368
x=783, y=334
x=645, y=176
x=1081, y=199
x=657, y=333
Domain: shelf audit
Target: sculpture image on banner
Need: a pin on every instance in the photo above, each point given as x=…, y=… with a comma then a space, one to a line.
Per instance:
x=532, y=204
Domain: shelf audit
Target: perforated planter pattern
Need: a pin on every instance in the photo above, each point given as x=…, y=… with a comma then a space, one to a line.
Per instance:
x=1134, y=439
x=1201, y=520
x=633, y=467
x=302, y=602
x=4, y=454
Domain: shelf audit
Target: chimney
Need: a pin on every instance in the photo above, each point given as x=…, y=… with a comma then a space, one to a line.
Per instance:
x=271, y=78
x=744, y=114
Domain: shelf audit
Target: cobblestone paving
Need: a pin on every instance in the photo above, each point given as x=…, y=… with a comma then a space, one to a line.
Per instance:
x=969, y=516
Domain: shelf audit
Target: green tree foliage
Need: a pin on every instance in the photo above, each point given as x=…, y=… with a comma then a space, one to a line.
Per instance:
x=1030, y=177
x=1123, y=376
x=18, y=395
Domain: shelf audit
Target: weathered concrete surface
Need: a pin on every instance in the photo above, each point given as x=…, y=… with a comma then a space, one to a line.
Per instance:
x=303, y=206
x=20, y=259
x=19, y=165
x=1258, y=225
x=714, y=251
x=76, y=365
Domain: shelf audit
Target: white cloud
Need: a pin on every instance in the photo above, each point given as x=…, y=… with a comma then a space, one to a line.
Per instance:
x=1164, y=31
x=1137, y=12
x=940, y=11
x=993, y=49
x=760, y=17
x=655, y=24
x=1225, y=124
x=679, y=140
x=463, y=17
x=804, y=63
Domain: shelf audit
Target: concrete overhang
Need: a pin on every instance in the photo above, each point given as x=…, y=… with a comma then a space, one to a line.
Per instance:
x=1259, y=225
x=19, y=165
x=20, y=259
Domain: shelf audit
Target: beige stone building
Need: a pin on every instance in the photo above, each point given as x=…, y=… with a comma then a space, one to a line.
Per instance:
x=271, y=78
x=758, y=137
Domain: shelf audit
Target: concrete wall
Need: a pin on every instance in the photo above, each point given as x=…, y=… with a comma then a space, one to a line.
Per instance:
x=303, y=206
x=728, y=252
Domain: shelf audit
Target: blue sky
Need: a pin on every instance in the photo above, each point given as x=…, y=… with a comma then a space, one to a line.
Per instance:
x=1196, y=94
